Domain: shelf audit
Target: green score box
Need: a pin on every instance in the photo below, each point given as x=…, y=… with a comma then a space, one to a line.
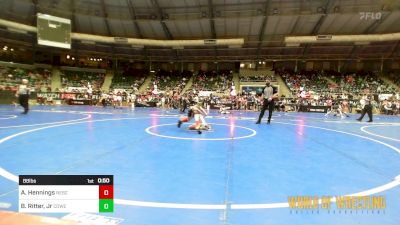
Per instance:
x=106, y=205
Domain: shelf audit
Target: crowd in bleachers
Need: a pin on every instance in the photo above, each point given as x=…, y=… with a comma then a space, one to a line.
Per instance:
x=311, y=88
x=257, y=78
x=167, y=81
x=220, y=82
x=80, y=79
x=305, y=80
x=354, y=83
x=359, y=82
x=129, y=79
x=390, y=106
x=39, y=79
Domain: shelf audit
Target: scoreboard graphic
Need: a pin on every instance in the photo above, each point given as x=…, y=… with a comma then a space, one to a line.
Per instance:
x=66, y=193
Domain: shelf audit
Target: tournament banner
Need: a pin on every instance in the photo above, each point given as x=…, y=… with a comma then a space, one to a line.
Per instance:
x=257, y=89
x=77, y=89
x=217, y=106
x=79, y=102
x=205, y=93
x=253, y=89
x=314, y=109
x=382, y=97
x=47, y=95
x=68, y=95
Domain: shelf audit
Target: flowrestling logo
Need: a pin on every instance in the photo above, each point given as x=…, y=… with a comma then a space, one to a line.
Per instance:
x=370, y=15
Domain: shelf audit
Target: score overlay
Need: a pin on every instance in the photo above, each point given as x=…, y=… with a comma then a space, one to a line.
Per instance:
x=66, y=193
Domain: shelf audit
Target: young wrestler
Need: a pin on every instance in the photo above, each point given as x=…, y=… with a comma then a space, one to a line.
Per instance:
x=197, y=112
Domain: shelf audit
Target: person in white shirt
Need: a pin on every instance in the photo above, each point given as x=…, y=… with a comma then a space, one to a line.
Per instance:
x=163, y=102
x=233, y=91
x=132, y=100
x=117, y=100
x=89, y=91
x=196, y=99
x=224, y=109
x=388, y=108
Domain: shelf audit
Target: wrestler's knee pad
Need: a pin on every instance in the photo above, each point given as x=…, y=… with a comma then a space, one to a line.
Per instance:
x=184, y=119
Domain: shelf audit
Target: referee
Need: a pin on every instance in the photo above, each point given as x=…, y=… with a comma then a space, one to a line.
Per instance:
x=23, y=95
x=268, y=94
x=367, y=109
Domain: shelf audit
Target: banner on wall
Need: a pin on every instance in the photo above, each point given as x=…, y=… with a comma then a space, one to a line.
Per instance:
x=76, y=89
x=256, y=88
x=205, y=93
x=47, y=95
x=252, y=89
x=382, y=97
x=68, y=95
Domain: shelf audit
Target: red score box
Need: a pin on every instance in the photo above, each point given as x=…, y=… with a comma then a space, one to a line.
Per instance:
x=106, y=192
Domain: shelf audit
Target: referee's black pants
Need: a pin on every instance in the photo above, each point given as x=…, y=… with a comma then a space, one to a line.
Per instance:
x=23, y=101
x=183, y=106
x=367, y=109
x=266, y=105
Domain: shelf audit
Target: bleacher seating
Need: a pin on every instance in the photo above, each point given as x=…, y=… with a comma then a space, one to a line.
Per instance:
x=357, y=83
x=305, y=80
x=212, y=81
x=81, y=79
x=39, y=79
x=171, y=80
x=128, y=79
x=255, y=76
x=353, y=83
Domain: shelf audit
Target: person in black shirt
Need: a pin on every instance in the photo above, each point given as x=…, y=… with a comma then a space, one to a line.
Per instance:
x=184, y=104
x=367, y=109
x=23, y=95
x=268, y=94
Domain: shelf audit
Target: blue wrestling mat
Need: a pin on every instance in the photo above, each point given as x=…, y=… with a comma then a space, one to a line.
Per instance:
x=239, y=173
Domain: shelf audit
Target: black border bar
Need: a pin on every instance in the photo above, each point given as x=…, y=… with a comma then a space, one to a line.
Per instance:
x=66, y=179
